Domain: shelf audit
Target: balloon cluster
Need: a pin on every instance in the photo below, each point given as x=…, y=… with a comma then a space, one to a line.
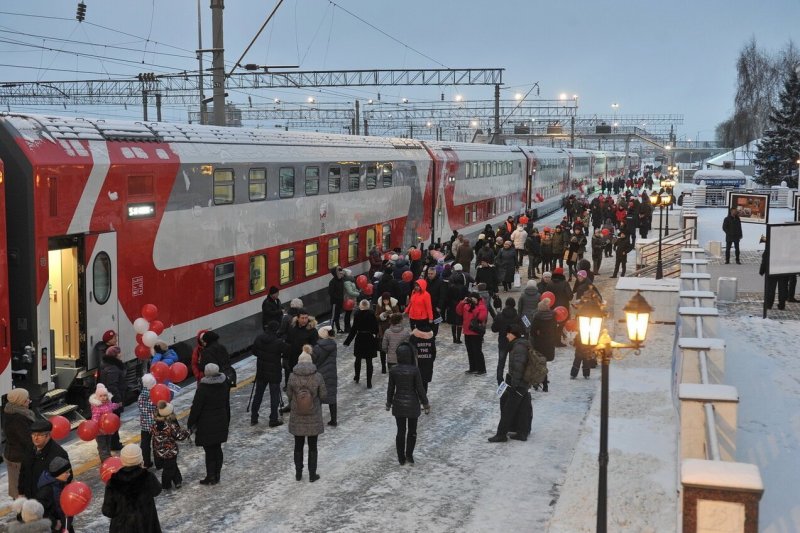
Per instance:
x=147, y=328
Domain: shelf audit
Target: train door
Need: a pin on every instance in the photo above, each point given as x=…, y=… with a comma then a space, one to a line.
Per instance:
x=64, y=300
x=5, y=342
x=100, y=291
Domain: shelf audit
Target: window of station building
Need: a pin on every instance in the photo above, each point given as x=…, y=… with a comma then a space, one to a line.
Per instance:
x=101, y=278
x=257, y=184
x=223, y=283
x=286, y=182
x=372, y=176
x=386, y=237
x=312, y=259
x=386, y=174
x=258, y=274
x=287, y=266
x=354, y=178
x=333, y=252
x=352, y=248
x=312, y=181
x=334, y=179
x=223, y=186
x=370, y=238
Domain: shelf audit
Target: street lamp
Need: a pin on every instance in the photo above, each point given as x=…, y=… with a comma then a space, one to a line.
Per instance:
x=661, y=201
x=590, y=315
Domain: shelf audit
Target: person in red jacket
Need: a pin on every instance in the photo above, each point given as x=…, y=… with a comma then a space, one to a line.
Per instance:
x=474, y=313
x=419, y=307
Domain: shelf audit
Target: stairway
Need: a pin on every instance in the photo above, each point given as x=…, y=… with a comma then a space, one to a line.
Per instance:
x=53, y=403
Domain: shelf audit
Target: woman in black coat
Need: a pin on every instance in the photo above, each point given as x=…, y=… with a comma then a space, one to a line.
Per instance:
x=454, y=292
x=130, y=496
x=213, y=352
x=506, y=262
x=365, y=332
x=544, y=332
x=405, y=393
x=209, y=418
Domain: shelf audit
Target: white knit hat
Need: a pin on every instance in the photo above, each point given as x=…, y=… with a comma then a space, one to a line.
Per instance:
x=457, y=267
x=296, y=303
x=148, y=381
x=325, y=332
x=304, y=358
x=211, y=369
x=131, y=455
x=165, y=408
x=32, y=511
x=531, y=283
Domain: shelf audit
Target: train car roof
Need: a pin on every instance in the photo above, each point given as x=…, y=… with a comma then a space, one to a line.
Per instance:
x=470, y=147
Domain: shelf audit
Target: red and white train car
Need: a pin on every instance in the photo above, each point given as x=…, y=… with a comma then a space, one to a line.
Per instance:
x=5, y=334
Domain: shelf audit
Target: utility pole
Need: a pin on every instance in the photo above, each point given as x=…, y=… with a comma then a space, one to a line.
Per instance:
x=158, y=107
x=144, y=105
x=203, y=105
x=497, y=109
x=356, y=121
x=218, y=65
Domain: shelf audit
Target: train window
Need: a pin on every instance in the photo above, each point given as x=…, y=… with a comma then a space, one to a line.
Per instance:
x=312, y=181
x=354, y=181
x=287, y=266
x=258, y=274
x=223, y=186
x=52, y=187
x=386, y=237
x=312, y=258
x=352, y=247
x=494, y=168
x=223, y=283
x=286, y=182
x=370, y=238
x=475, y=170
x=257, y=184
x=372, y=176
x=387, y=174
x=333, y=252
x=101, y=278
x=334, y=179
x=468, y=171
x=483, y=169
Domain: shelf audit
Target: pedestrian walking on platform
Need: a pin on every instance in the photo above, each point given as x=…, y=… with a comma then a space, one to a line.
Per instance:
x=209, y=419
x=732, y=226
x=323, y=356
x=405, y=393
x=474, y=314
x=516, y=409
x=365, y=333
x=271, y=352
x=306, y=392
x=129, y=499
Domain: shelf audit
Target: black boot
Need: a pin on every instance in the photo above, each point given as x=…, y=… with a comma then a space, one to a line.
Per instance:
x=332, y=408
x=369, y=379
x=211, y=470
x=400, y=444
x=383, y=362
x=312, y=465
x=411, y=441
x=298, y=464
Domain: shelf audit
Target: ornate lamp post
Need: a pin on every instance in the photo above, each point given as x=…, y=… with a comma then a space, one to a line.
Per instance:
x=590, y=321
x=663, y=200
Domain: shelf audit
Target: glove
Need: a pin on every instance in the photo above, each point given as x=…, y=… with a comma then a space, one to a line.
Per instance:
x=427, y=409
x=388, y=407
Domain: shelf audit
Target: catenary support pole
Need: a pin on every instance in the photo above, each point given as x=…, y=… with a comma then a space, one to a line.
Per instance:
x=218, y=64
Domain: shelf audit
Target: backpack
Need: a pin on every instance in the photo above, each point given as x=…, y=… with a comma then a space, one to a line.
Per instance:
x=230, y=373
x=536, y=369
x=303, y=402
x=477, y=326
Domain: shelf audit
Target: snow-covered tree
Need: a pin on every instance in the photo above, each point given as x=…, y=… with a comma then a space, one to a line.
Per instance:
x=779, y=148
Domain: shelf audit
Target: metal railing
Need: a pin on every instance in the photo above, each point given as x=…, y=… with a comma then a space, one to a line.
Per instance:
x=671, y=245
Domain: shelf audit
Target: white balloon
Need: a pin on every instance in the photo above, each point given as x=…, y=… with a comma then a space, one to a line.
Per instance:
x=140, y=325
x=149, y=338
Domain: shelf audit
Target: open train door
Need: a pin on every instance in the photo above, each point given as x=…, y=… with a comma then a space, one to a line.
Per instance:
x=5, y=341
x=100, y=291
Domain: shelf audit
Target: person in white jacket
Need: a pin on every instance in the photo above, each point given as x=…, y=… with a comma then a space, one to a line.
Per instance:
x=518, y=237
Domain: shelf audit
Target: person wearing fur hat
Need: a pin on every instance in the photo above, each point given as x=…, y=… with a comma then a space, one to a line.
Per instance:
x=305, y=381
x=294, y=309
x=424, y=343
x=271, y=351
x=528, y=300
x=166, y=433
x=114, y=376
x=209, y=419
x=405, y=393
x=323, y=356
x=38, y=458
x=147, y=413
x=51, y=483
x=384, y=309
x=302, y=331
x=31, y=512
x=101, y=404
x=17, y=421
x=365, y=332
x=129, y=499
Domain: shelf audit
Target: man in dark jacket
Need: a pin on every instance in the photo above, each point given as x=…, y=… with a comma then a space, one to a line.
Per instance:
x=271, y=308
x=732, y=226
x=502, y=322
x=114, y=376
x=435, y=288
x=270, y=351
x=335, y=298
x=302, y=331
x=621, y=247
x=516, y=410
x=45, y=449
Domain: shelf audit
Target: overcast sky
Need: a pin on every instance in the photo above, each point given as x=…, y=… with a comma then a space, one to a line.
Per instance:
x=649, y=57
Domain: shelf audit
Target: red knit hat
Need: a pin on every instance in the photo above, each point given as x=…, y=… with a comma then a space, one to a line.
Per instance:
x=108, y=335
x=558, y=270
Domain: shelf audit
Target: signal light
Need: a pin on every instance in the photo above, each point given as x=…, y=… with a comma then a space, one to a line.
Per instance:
x=81, y=14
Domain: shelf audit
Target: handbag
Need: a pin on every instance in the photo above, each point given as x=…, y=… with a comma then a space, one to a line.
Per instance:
x=477, y=326
x=230, y=373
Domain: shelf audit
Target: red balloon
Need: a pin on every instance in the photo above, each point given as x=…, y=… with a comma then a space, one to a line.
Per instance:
x=348, y=305
x=109, y=467
x=561, y=313
x=415, y=254
x=157, y=327
x=149, y=312
x=178, y=372
x=605, y=232
x=549, y=295
x=60, y=427
x=408, y=276
x=158, y=393
x=109, y=424
x=523, y=220
x=362, y=281
x=160, y=371
x=571, y=325
x=142, y=352
x=75, y=498
x=369, y=290
x=139, y=338
x=88, y=430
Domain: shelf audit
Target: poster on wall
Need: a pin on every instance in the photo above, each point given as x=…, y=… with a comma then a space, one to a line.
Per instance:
x=783, y=240
x=753, y=207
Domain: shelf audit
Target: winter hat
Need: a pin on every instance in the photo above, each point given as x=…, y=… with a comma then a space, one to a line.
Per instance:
x=148, y=381
x=161, y=345
x=544, y=305
x=547, y=275
x=457, y=267
x=558, y=270
x=386, y=295
x=209, y=337
x=517, y=330
x=41, y=426
x=108, y=335
x=347, y=272
x=16, y=505
x=304, y=358
x=481, y=237
x=113, y=351
x=101, y=389
x=32, y=511
x=273, y=290
x=377, y=275
x=582, y=274
x=531, y=283
x=363, y=304
x=325, y=332
x=200, y=334
x=131, y=454
x=296, y=303
x=211, y=369
x=58, y=466
x=394, y=257
x=165, y=408
x=18, y=396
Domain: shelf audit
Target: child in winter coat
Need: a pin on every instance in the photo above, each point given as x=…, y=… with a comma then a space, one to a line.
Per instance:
x=51, y=483
x=392, y=338
x=101, y=404
x=147, y=413
x=164, y=354
x=166, y=433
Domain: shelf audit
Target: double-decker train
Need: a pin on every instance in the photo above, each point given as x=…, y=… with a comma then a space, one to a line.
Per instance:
x=103, y=217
